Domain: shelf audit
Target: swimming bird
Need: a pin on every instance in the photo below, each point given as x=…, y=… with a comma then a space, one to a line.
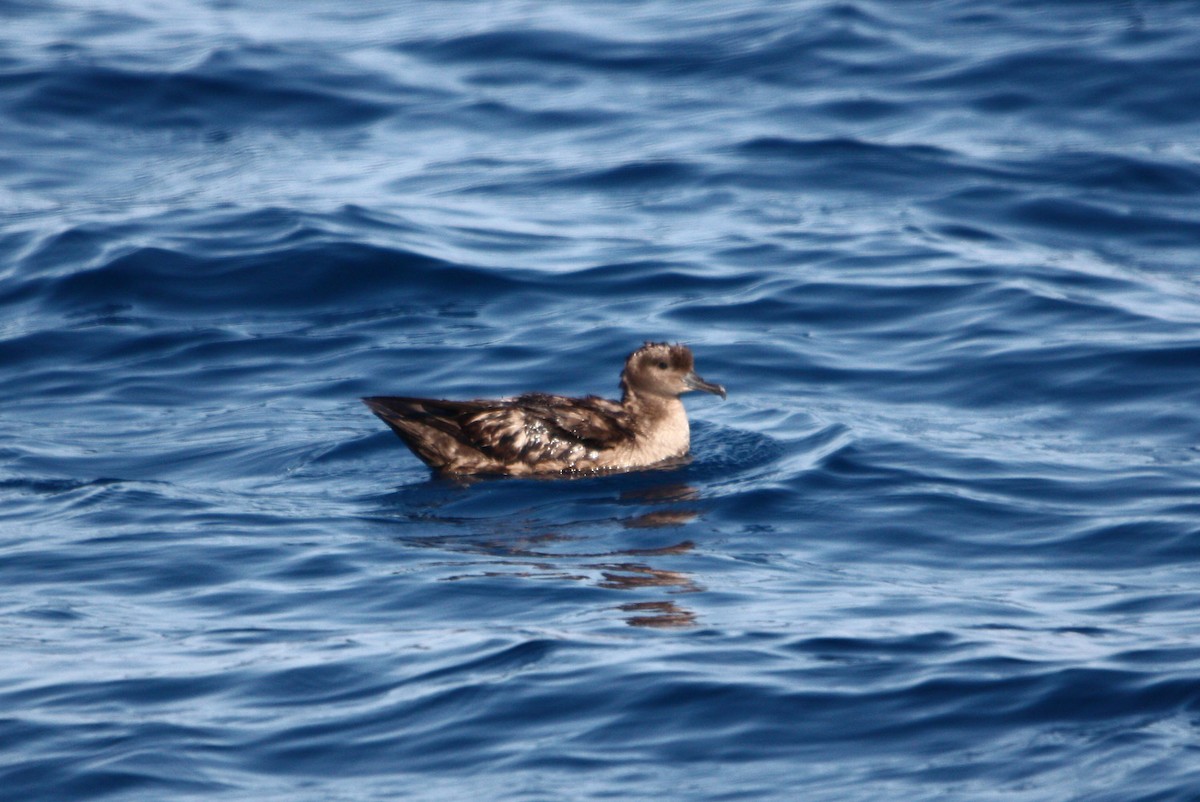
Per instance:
x=540, y=434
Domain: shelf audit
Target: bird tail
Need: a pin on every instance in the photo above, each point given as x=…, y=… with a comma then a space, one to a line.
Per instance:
x=428, y=427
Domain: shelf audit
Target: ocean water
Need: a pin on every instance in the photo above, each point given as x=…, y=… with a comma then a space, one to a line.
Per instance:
x=941, y=542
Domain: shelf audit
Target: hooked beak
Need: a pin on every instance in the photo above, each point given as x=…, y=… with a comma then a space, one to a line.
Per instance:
x=694, y=382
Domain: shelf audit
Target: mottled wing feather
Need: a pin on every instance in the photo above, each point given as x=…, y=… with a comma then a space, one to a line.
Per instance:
x=597, y=422
x=430, y=428
x=434, y=413
x=540, y=428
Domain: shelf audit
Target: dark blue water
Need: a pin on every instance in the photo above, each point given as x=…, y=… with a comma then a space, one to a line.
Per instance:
x=941, y=542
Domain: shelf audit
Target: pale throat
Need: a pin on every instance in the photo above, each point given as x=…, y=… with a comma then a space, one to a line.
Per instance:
x=662, y=425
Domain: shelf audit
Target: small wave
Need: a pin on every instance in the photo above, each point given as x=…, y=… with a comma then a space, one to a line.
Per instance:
x=1082, y=217
x=564, y=48
x=238, y=94
x=841, y=162
x=637, y=175
x=289, y=278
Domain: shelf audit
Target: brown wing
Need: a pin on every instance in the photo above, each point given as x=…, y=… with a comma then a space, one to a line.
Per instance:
x=537, y=428
x=431, y=427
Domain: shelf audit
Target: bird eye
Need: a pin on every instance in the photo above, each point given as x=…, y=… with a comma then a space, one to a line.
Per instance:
x=662, y=365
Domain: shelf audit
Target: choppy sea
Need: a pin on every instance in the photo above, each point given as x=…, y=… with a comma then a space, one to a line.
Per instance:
x=942, y=541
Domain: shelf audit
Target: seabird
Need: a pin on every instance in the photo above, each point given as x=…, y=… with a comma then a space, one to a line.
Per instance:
x=540, y=434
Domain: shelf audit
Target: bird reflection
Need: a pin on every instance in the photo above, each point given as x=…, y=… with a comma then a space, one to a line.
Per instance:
x=662, y=614
x=658, y=519
x=540, y=549
x=630, y=576
x=676, y=491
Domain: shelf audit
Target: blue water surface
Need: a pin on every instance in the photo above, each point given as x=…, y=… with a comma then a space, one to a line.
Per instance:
x=941, y=542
